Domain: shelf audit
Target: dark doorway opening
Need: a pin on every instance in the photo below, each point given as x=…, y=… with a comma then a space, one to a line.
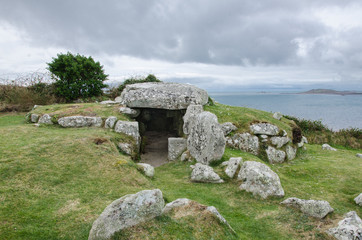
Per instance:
x=156, y=126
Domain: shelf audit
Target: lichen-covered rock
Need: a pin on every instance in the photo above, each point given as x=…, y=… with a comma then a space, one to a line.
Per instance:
x=327, y=147
x=274, y=155
x=108, y=102
x=130, y=112
x=227, y=128
x=358, y=199
x=126, y=148
x=204, y=173
x=34, y=118
x=350, y=228
x=264, y=128
x=45, y=119
x=190, y=117
x=147, y=169
x=175, y=204
x=314, y=208
x=304, y=139
x=291, y=152
x=260, y=180
x=359, y=155
x=128, y=128
x=277, y=115
x=127, y=211
x=176, y=146
x=80, y=121
x=206, y=141
x=279, y=141
x=245, y=142
x=110, y=122
x=232, y=166
x=172, y=96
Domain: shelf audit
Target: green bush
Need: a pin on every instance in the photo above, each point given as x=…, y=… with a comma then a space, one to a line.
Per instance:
x=149, y=78
x=77, y=76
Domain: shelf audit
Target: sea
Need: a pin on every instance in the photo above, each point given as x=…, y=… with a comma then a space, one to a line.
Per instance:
x=335, y=111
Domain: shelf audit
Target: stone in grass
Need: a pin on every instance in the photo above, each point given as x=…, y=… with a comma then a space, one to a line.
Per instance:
x=264, y=128
x=232, y=166
x=110, y=122
x=80, y=121
x=128, y=128
x=204, y=173
x=350, y=228
x=127, y=211
x=274, y=155
x=260, y=180
x=291, y=152
x=227, y=128
x=359, y=155
x=277, y=115
x=314, y=208
x=126, y=148
x=327, y=147
x=147, y=169
x=358, y=199
x=34, y=118
x=45, y=119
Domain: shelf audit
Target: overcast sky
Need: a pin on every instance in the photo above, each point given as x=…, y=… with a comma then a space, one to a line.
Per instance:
x=229, y=45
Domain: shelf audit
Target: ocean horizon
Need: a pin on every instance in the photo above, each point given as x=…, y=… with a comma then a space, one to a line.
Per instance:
x=335, y=111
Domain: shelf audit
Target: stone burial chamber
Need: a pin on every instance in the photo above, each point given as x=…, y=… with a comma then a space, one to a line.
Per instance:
x=160, y=109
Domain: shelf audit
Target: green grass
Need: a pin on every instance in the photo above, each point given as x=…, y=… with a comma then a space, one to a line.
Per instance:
x=83, y=109
x=241, y=117
x=54, y=182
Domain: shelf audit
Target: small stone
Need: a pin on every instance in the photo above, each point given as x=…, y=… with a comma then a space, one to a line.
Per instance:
x=34, y=118
x=225, y=163
x=358, y=199
x=147, y=169
x=108, y=102
x=359, y=155
x=277, y=115
x=45, y=119
x=126, y=148
x=291, y=152
x=204, y=173
x=274, y=155
x=264, y=128
x=185, y=156
x=227, y=128
x=133, y=113
x=233, y=165
x=175, y=204
x=327, y=147
x=314, y=208
x=110, y=122
x=285, y=133
x=304, y=139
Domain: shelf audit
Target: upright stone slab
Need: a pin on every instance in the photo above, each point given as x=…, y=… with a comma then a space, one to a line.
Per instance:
x=172, y=96
x=206, y=141
x=127, y=211
x=190, y=117
x=176, y=146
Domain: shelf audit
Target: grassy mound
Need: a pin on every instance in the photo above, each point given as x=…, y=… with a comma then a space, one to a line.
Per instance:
x=54, y=182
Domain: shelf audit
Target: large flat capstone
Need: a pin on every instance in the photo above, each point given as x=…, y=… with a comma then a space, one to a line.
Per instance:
x=172, y=96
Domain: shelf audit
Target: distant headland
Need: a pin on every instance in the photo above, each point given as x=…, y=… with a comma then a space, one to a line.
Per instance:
x=330, y=91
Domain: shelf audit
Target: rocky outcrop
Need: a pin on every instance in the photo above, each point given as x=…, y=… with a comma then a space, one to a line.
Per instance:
x=232, y=166
x=176, y=146
x=277, y=115
x=327, y=147
x=110, y=122
x=133, y=113
x=350, y=228
x=190, y=117
x=206, y=141
x=274, y=155
x=245, y=142
x=147, y=169
x=264, y=128
x=80, y=121
x=204, y=173
x=260, y=180
x=127, y=211
x=279, y=141
x=291, y=152
x=172, y=96
x=227, y=128
x=314, y=208
x=358, y=199
x=45, y=119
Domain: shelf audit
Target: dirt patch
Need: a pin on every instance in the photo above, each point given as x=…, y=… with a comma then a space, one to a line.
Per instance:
x=156, y=149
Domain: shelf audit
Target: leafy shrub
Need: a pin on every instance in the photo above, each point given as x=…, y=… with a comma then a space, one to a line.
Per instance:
x=308, y=125
x=297, y=135
x=149, y=78
x=77, y=76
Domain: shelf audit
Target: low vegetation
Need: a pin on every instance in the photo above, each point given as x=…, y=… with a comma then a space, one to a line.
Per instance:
x=54, y=182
